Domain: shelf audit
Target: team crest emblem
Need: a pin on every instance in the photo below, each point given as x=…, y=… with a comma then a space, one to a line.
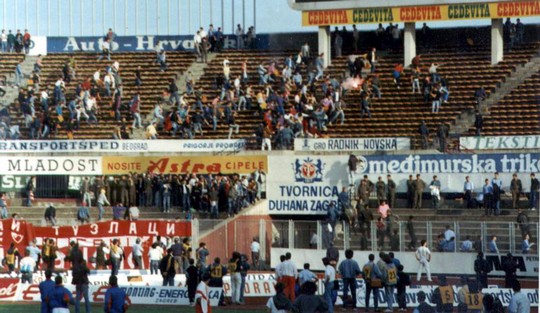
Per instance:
x=308, y=170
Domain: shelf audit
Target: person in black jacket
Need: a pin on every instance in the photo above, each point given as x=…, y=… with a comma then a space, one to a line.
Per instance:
x=509, y=266
x=80, y=280
x=403, y=281
x=192, y=280
x=482, y=269
x=168, y=268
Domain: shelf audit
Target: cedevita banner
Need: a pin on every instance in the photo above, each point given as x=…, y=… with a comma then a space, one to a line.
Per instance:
x=466, y=11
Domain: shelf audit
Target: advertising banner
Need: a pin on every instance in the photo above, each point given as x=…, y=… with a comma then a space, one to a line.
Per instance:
x=308, y=184
x=121, y=146
x=139, y=43
x=113, y=165
x=13, y=291
x=13, y=183
x=90, y=236
x=445, y=12
x=500, y=142
x=38, y=45
x=50, y=165
x=352, y=144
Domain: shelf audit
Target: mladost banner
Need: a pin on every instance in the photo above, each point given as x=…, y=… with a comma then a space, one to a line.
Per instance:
x=29, y=165
x=500, y=142
x=308, y=184
x=121, y=146
x=352, y=144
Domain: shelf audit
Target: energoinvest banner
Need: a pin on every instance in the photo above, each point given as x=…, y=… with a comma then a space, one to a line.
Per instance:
x=50, y=165
x=352, y=144
x=500, y=142
x=113, y=165
x=138, y=43
x=308, y=184
x=121, y=146
x=14, y=291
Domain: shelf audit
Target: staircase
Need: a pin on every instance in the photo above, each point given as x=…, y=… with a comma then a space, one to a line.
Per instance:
x=197, y=70
x=466, y=119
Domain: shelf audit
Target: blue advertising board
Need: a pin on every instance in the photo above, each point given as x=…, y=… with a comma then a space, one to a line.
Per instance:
x=139, y=43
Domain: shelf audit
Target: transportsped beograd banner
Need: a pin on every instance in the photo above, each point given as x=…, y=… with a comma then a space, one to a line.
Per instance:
x=463, y=11
x=308, y=184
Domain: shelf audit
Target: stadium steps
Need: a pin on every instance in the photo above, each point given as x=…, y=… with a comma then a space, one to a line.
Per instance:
x=522, y=75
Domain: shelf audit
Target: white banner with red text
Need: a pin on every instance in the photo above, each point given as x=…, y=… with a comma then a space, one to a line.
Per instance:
x=90, y=236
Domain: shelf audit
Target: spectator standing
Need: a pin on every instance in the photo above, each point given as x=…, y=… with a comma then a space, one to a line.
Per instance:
x=419, y=186
x=155, y=254
x=349, y=270
x=423, y=255
x=289, y=274
x=487, y=191
x=467, y=245
x=80, y=280
x=167, y=267
x=102, y=201
x=424, y=134
x=45, y=287
x=435, y=187
x=137, y=251
x=116, y=299
x=255, y=253
x=526, y=245
x=234, y=269
x=306, y=275
x=535, y=189
x=509, y=266
x=478, y=123
x=468, y=189
x=192, y=280
x=516, y=188
x=391, y=279
x=329, y=277
x=523, y=222
x=59, y=297
x=50, y=215
x=520, y=302
x=402, y=282
x=4, y=41
x=372, y=275
x=492, y=245
x=26, y=267
x=105, y=50
x=482, y=269
x=496, y=184
x=83, y=213
x=217, y=271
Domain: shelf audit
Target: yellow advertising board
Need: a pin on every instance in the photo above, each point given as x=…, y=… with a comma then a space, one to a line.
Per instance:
x=114, y=165
x=445, y=12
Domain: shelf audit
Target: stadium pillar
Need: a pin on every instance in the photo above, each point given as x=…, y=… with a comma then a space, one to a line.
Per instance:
x=324, y=44
x=409, y=43
x=497, y=44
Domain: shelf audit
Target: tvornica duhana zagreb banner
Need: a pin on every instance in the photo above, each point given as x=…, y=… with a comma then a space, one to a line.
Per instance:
x=308, y=184
x=444, y=12
x=89, y=236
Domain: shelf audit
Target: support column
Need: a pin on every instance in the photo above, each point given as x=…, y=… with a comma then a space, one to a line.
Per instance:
x=409, y=43
x=325, y=44
x=497, y=42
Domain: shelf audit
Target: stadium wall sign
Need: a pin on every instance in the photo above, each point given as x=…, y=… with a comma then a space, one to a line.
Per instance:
x=459, y=263
x=465, y=11
x=138, y=294
x=352, y=144
x=13, y=183
x=121, y=146
x=308, y=184
x=138, y=43
x=113, y=165
x=500, y=142
x=28, y=165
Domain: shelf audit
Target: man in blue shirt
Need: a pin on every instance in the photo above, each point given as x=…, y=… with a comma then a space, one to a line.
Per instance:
x=349, y=270
x=519, y=302
x=306, y=275
x=45, y=287
x=468, y=189
x=59, y=296
x=116, y=300
x=496, y=184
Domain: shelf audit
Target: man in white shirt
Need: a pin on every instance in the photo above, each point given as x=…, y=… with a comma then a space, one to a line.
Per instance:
x=239, y=37
x=520, y=302
x=255, y=252
x=449, y=233
x=289, y=273
x=329, y=277
x=105, y=50
x=423, y=255
x=3, y=39
x=137, y=254
x=27, y=266
x=197, y=40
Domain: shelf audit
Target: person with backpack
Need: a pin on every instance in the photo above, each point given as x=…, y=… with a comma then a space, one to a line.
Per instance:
x=403, y=281
x=372, y=276
x=279, y=303
x=217, y=271
x=234, y=267
x=390, y=281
